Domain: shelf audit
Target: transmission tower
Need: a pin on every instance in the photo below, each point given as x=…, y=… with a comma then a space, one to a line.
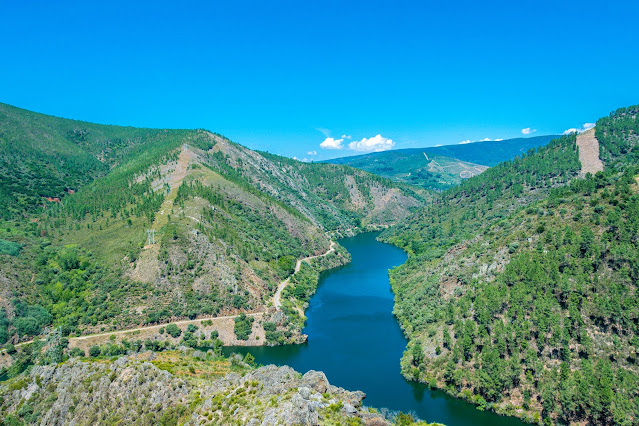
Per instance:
x=53, y=354
x=150, y=236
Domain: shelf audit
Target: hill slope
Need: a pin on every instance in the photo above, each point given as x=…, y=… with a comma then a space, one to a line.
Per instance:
x=520, y=292
x=445, y=166
x=229, y=225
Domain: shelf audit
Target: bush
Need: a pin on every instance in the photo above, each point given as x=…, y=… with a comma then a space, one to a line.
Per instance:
x=94, y=351
x=9, y=247
x=243, y=326
x=173, y=330
x=4, y=335
x=27, y=326
x=80, y=352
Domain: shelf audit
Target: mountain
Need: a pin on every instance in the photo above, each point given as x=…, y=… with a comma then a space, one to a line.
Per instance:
x=445, y=166
x=520, y=292
x=109, y=227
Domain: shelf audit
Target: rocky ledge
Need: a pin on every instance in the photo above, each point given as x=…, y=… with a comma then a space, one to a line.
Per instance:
x=198, y=389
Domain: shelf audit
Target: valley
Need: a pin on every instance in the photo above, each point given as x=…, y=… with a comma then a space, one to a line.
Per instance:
x=517, y=274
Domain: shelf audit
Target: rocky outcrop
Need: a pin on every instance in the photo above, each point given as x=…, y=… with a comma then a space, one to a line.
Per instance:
x=133, y=390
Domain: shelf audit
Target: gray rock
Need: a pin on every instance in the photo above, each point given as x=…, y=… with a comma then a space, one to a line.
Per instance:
x=350, y=409
x=199, y=354
x=316, y=380
x=305, y=392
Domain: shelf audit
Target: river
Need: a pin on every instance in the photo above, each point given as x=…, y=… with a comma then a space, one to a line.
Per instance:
x=356, y=341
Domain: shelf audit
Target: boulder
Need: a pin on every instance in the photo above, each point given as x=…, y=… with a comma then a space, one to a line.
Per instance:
x=316, y=380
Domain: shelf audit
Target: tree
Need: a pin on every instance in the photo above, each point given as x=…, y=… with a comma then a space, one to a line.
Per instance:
x=173, y=330
x=243, y=326
x=418, y=353
x=94, y=351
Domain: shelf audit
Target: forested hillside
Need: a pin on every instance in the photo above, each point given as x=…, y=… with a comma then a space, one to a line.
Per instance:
x=520, y=293
x=229, y=224
x=442, y=167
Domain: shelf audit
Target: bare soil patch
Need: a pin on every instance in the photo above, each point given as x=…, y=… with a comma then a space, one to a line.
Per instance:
x=589, y=153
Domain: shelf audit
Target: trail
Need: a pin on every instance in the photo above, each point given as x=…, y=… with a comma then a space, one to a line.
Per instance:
x=276, y=303
x=132, y=330
x=276, y=297
x=74, y=341
x=589, y=153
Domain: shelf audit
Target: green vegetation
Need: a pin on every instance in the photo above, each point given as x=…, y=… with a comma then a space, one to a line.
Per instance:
x=243, y=326
x=415, y=167
x=618, y=136
x=520, y=293
x=185, y=386
x=442, y=167
x=230, y=223
x=173, y=330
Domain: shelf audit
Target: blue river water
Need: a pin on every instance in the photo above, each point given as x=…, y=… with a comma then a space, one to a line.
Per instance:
x=356, y=341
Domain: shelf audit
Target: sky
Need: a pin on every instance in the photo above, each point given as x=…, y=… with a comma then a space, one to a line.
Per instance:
x=317, y=80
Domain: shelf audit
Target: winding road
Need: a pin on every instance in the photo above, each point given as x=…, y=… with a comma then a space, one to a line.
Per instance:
x=276, y=302
x=276, y=297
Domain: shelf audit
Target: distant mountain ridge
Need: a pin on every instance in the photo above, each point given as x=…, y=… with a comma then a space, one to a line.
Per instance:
x=442, y=167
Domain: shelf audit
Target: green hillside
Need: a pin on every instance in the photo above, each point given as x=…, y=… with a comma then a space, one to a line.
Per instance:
x=520, y=293
x=445, y=166
x=229, y=225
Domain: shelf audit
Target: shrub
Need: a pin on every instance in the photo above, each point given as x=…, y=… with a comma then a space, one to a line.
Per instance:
x=9, y=247
x=243, y=326
x=79, y=352
x=94, y=351
x=173, y=330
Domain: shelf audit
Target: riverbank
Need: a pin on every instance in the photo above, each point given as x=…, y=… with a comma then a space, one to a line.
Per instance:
x=224, y=326
x=355, y=339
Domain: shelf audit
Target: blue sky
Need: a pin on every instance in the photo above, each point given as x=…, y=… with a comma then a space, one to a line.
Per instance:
x=284, y=76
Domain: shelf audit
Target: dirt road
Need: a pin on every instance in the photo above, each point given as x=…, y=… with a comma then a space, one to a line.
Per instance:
x=276, y=298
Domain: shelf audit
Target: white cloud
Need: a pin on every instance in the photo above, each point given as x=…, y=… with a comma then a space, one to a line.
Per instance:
x=375, y=144
x=500, y=139
x=439, y=145
x=346, y=137
x=586, y=126
x=323, y=131
x=465, y=142
x=311, y=153
x=528, y=131
x=486, y=140
x=330, y=143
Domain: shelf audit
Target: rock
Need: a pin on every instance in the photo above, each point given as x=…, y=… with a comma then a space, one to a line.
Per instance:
x=129, y=389
x=350, y=409
x=199, y=354
x=355, y=398
x=373, y=419
x=120, y=362
x=305, y=392
x=316, y=380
